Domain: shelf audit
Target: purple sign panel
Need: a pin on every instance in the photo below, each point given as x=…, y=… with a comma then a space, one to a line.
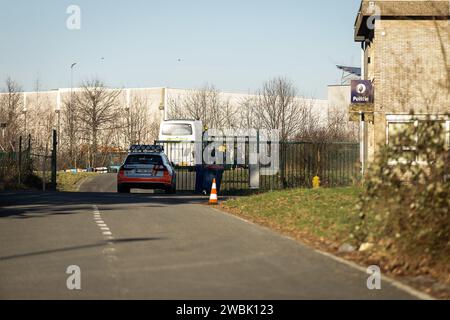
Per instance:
x=362, y=91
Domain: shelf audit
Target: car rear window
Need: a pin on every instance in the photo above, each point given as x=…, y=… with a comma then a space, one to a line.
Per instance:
x=144, y=159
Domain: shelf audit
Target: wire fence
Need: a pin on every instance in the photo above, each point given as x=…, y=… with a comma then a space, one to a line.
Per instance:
x=23, y=167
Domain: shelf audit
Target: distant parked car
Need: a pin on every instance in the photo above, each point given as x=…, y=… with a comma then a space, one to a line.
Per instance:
x=146, y=167
x=114, y=168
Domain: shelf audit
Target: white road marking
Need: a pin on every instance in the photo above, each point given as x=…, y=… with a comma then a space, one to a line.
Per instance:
x=106, y=232
x=108, y=250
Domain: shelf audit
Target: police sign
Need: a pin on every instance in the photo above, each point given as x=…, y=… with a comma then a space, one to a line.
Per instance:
x=362, y=91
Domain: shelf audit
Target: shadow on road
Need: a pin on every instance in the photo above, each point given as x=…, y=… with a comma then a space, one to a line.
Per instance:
x=24, y=205
x=99, y=244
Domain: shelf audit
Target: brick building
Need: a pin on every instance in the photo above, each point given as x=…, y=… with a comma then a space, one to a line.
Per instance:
x=406, y=54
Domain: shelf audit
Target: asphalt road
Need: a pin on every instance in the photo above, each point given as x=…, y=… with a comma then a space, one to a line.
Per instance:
x=156, y=246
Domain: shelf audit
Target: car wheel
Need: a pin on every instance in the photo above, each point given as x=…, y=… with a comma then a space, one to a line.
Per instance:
x=122, y=189
x=171, y=190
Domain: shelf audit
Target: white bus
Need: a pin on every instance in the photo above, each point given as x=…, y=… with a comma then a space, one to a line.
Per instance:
x=178, y=138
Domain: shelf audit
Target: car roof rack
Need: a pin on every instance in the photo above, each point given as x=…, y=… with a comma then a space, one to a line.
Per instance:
x=141, y=148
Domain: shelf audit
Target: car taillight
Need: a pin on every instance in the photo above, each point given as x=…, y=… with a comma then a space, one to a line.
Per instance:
x=164, y=170
x=121, y=172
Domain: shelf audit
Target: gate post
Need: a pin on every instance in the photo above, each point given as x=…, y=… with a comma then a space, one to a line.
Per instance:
x=254, y=168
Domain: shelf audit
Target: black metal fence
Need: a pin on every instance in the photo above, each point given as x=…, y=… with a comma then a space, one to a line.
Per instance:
x=336, y=164
x=22, y=166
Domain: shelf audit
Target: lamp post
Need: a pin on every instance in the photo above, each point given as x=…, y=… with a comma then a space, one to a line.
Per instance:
x=71, y=102
x=71, y=82
x=58, y=113
x=24, y=110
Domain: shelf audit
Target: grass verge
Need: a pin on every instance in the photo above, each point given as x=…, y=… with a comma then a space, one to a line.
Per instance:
x=69, y=182
x=323, y=217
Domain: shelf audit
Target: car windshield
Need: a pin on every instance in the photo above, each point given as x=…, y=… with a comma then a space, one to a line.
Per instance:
x=144, y=159
x=177, y=129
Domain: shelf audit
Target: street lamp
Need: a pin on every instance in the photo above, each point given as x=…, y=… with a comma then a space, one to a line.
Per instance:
x=71, y=80
x=24, y=110
x=71, y=110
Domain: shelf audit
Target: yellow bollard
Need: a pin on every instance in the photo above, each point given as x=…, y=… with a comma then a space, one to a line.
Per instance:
x=316, y=182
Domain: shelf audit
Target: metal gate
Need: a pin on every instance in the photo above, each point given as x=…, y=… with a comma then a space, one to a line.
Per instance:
x=335, y=163
x=181, y=154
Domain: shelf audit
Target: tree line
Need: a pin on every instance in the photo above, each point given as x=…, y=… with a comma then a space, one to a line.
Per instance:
x=94, y=122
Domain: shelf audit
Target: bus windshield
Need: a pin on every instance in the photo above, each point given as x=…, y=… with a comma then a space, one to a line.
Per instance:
x=177, y=129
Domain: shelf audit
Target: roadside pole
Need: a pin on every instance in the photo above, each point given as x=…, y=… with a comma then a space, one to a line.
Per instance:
x=54, y=151
x=29, y=150
x=44, y=168
x=363, y=143
x=20, y=160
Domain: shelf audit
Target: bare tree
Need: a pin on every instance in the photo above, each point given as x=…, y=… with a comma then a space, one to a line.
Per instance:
x=311, y=127
x=205, y=104
x=40, y=118
x=339, y=128
x=11, y=105
x=443, y=35
x=136, y=121
x=98, y=111
x=228, y=116
x=277, y=107
x=246, y=118
x=71, y=130
x=335, y=128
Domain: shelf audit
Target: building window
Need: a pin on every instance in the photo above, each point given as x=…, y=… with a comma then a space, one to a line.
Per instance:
x=398, y=124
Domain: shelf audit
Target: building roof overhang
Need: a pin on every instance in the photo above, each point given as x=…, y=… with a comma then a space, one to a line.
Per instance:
x=389, y=9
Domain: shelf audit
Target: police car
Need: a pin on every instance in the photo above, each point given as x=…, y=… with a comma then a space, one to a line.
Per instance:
x=146, y=167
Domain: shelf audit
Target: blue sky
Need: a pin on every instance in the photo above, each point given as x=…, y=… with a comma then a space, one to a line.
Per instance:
x=235, y=45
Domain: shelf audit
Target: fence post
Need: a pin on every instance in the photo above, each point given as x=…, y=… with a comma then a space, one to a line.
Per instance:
x=20, y=159
x=283, y=149
x=253, y=169
x=44, y=168
x=29, y=147
x=29, y=166
x=54, y=160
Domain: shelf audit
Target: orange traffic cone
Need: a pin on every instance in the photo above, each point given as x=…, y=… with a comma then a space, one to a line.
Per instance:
x=213, y=196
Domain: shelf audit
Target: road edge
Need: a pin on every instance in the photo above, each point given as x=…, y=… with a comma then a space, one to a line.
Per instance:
x=396, y=283
x=81, y=182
